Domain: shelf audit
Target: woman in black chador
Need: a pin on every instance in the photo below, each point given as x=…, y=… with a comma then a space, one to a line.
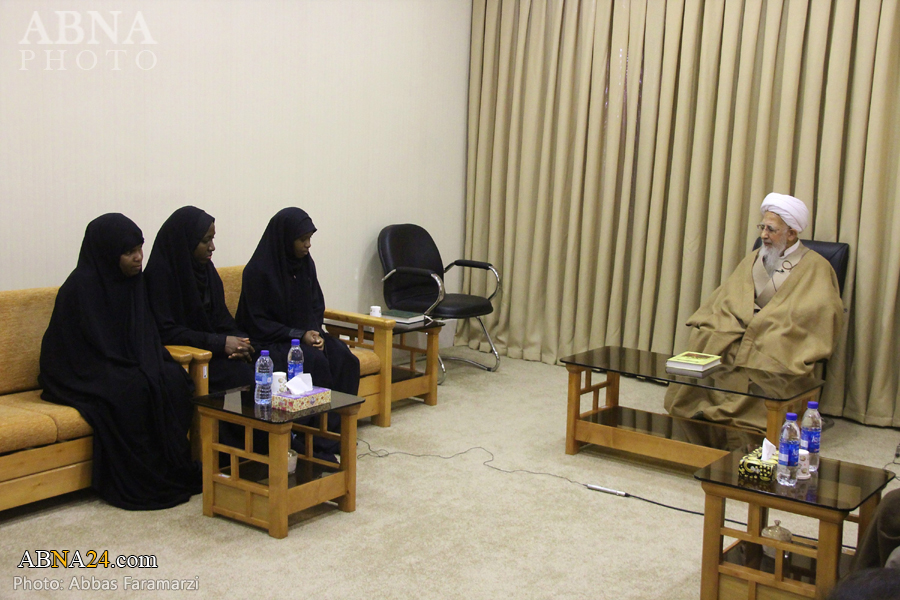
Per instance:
x=281, y=300
x=102, y=355
x=188, y=300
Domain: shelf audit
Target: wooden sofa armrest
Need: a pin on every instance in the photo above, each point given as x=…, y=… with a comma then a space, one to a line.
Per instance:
x=359, y=319
x=180, y=355
x=197, y=365
x=379, y=340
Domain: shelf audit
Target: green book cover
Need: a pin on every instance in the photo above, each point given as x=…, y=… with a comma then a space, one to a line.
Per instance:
x=693, y=358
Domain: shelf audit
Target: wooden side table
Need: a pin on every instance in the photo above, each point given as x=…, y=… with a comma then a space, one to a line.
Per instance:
x=407, y=379
x=811, y=567
x=257, y=488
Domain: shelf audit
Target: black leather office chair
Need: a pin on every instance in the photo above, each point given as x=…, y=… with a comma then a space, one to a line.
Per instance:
x=837, y=253
x=414, y=281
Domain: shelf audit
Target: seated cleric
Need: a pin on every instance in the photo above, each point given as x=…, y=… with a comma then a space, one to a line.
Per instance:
x=102, y=355
x=779, y=312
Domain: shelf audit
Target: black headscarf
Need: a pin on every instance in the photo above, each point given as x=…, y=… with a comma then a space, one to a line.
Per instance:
x=280, y=295
x=102, y=355
x=187, y=296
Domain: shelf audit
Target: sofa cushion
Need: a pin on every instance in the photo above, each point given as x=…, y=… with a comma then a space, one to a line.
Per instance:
x=24, y=429
x=24, y=315
x=368, y=361
x=69, y=423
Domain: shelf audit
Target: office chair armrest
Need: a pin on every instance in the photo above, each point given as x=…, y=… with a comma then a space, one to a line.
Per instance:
x=422, y=273
x=410, y=271
x=477, y=264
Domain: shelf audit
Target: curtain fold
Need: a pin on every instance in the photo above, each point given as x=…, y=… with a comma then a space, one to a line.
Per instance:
x=618, y=151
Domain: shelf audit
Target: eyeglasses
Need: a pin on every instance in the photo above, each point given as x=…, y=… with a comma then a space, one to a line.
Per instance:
x=763, y=227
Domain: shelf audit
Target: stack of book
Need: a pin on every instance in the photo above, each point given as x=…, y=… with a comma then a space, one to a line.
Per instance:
x=404, y=317
x=694, y=364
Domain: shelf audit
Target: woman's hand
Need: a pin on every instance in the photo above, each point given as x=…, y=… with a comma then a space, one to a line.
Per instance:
x=238, y=348
x=312, y=338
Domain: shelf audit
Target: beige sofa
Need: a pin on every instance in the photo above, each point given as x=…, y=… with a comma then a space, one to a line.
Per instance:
x=46, y=448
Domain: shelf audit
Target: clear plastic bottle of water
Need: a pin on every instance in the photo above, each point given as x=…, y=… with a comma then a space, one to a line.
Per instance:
x=263, y=393
x=295, y=360
x=811, y=434
x=788, y=452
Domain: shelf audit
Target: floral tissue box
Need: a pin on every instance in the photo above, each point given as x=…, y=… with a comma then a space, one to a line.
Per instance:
x=284, y=400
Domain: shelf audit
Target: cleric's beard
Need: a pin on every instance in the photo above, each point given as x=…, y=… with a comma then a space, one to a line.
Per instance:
x=771, y=256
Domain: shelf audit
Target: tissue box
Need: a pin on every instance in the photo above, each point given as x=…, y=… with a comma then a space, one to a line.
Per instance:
x=753, y=467
x=291, y=403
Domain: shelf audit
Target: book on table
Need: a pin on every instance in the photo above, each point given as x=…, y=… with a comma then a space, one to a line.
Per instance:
x=693, y=363
x=404, y=317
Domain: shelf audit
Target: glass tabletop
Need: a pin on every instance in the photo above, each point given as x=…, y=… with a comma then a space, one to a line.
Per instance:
x=837, y=485
x=240, y=401
x=725, y=378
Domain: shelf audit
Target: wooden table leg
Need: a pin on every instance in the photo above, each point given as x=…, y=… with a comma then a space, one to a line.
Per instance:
x=347, y=502
x=431, y=364
x=383, y=345
x=866, y=513
x=713, y=519
x=209, y=429
x=827, y=556
x=574, y=408
x=612, y=389
x=279, y=442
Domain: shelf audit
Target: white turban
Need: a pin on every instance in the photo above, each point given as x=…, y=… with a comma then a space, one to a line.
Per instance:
x=792, y=210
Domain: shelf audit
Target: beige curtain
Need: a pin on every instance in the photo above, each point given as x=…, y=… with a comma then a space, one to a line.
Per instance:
x=618, y=151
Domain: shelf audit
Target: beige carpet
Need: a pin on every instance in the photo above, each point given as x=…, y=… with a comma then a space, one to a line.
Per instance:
x=430, y=527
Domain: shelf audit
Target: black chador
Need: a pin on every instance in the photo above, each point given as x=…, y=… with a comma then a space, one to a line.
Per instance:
x=281, y=299
x=102, y=355
x=187, y=297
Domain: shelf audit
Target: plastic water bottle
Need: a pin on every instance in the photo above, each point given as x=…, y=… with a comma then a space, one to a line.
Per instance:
x=295, y=360
x=811, y=434
x=263, y=393
x=788, y=452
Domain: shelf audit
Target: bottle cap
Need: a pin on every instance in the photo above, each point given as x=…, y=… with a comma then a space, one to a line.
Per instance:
x=294, y=343
x=813, y=405
x=264, y=353
x=789, y=416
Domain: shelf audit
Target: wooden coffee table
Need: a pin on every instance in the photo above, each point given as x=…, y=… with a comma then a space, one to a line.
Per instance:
x=256, y=488
x=683, y=441
x=811, y=568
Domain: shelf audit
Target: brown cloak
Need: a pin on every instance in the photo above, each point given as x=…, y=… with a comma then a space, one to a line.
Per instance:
x=798, y=327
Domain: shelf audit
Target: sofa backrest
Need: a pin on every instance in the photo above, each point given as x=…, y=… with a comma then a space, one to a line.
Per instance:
x=231, y=281
x=24, y=316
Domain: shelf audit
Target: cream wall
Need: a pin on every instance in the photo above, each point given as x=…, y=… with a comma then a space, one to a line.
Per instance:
x=354, y=110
